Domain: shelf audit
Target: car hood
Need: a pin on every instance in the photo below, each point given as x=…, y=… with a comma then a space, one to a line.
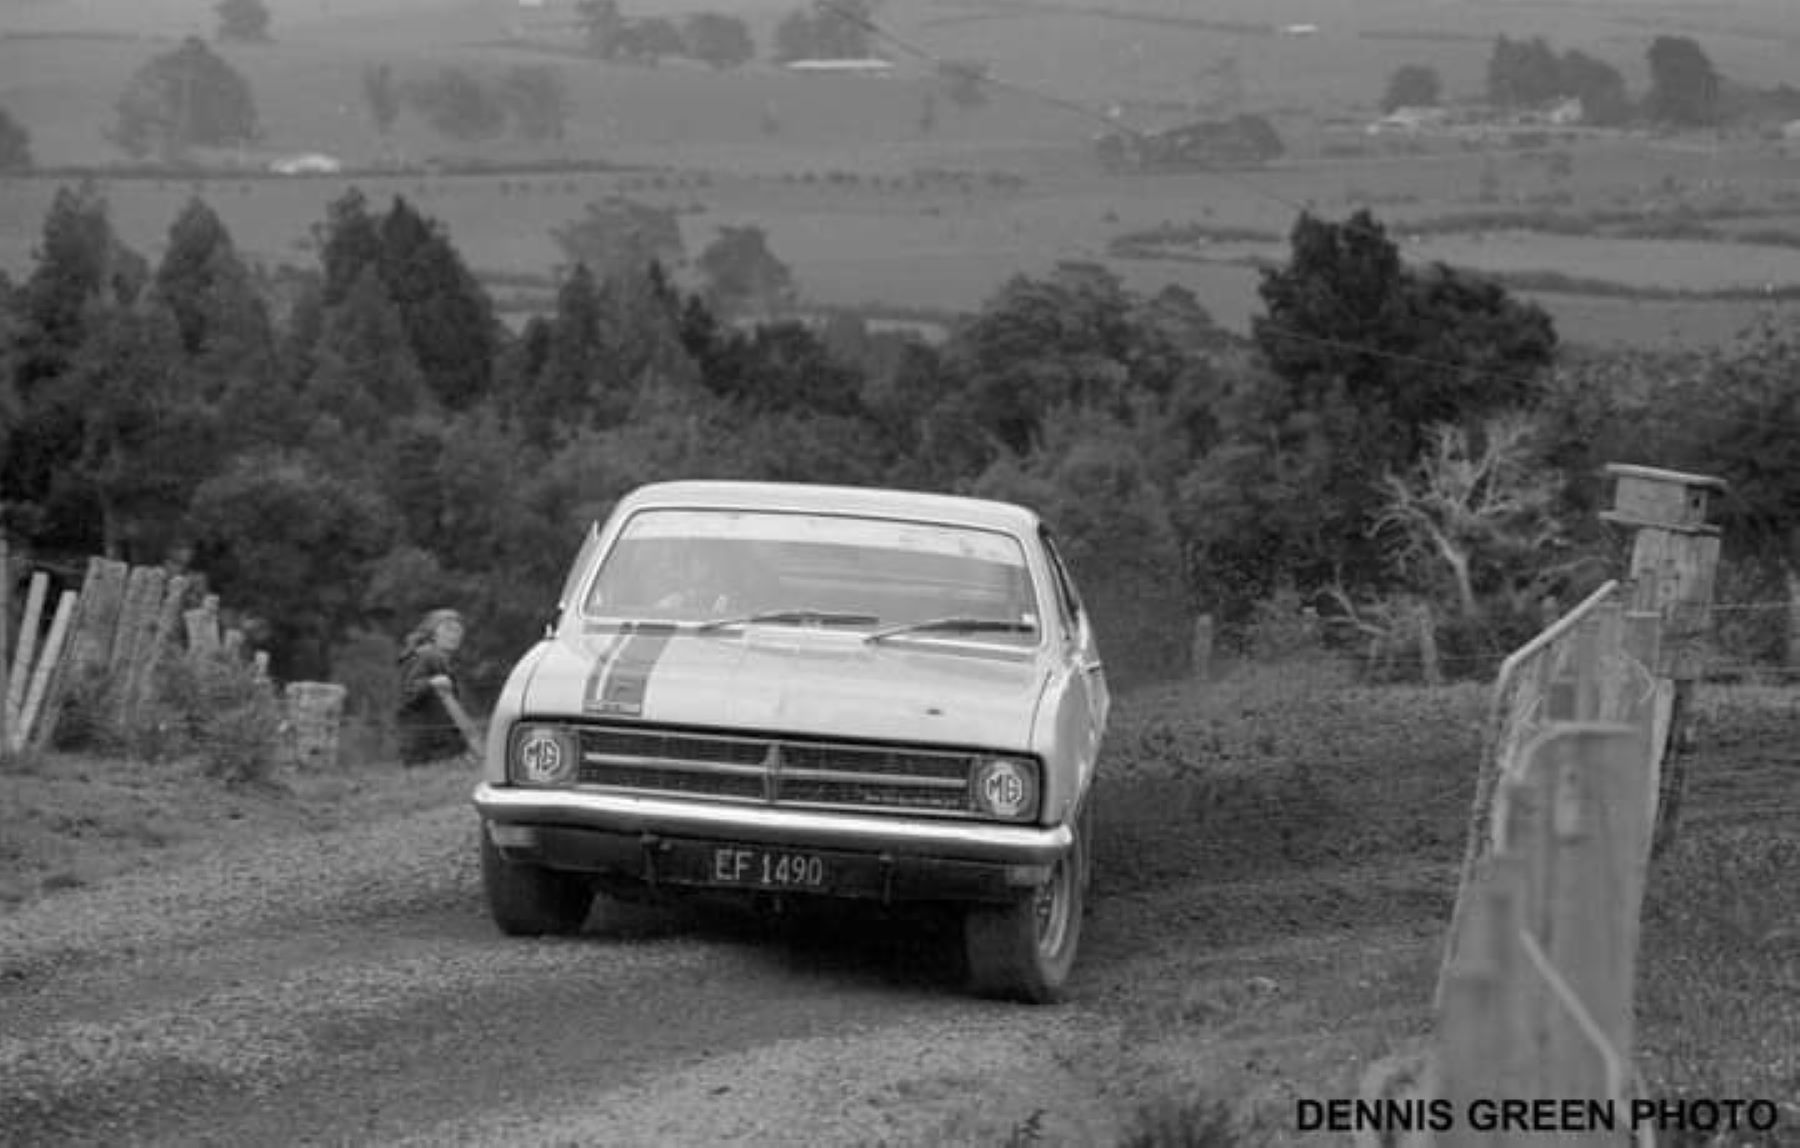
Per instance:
x=793, y=681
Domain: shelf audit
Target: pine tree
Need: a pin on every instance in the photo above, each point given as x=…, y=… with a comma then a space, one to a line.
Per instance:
x=448, y=317
x=365, y=374
x=147, y=435
x=201, y=278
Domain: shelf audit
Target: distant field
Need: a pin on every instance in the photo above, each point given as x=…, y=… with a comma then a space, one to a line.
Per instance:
x=833, y=183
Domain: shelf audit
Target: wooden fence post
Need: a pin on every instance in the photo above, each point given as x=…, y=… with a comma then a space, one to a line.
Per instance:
x=27, y=648
x=1674, y=561
x=140, y=680
x=90, y=637
x=203, y=626
x=5, y=644
x=46, y=669
x=1430, y=668
x=1201, y=653
x=136, y=634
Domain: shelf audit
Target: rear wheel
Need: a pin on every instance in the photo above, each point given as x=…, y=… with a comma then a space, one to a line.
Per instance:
x=1025, y=949
x=528, y=900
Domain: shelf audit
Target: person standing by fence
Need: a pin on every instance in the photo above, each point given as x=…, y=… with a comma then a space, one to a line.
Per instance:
x=428, y=731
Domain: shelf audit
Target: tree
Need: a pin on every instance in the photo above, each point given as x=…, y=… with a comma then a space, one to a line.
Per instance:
x=348, y=241
x=601, y=26
x=794, y=37
x=15, y=144
x=743, y=277
x=1599, y=87
x=1114, y=529
x=448, y=317
x=365, y=374
x=246, y=20
x=456, y=103
x=841, y=28
x=838, y=30
x=1412, y=86
x=79, y=260
x=217, y=310
x=538, y=98
x=293, y=542
x=1365, y=358
x=1410, y=348
x=184, y=97
x=1475, y=510
x=649, y=40
x=619, y=236
x=147, y=435
x=1684, y=88
x=779, y=367
x=722, y=41
x=381, y=94
x=1523, y=73
x=574, y=386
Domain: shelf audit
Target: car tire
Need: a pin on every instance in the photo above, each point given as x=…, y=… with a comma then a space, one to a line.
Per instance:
x=1025, y=949
x=528, y=900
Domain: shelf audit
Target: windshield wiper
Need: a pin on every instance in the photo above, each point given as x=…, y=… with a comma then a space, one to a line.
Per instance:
x=791, y=618
x=958, y=624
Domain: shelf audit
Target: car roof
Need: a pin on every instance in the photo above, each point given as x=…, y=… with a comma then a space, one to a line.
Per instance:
x=877, y=502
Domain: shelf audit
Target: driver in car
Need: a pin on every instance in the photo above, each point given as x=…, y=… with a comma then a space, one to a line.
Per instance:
x=698, y=585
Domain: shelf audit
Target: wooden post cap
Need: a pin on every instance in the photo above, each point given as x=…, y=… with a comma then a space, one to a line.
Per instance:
x=1665, y=499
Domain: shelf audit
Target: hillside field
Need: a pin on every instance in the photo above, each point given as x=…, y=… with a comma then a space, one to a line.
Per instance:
x=851, y=187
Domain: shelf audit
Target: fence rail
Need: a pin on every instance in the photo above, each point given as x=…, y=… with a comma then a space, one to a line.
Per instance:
x=106, y=643
x=1573, y=791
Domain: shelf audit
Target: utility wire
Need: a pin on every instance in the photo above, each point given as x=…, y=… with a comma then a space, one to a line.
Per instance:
x=877, y=29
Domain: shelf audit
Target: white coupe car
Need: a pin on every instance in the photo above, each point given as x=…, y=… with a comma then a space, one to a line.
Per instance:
x=795, y=690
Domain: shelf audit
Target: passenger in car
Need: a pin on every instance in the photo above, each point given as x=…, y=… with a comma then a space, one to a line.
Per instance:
x=428, y=732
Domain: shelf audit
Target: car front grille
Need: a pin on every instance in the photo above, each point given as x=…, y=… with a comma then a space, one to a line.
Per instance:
x=778, y=771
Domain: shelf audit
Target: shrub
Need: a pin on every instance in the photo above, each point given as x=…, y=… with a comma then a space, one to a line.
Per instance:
x=1195, y=1122
x=217, y=710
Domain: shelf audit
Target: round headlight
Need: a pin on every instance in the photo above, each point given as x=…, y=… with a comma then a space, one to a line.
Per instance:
x=1006, y=788
x=543, y=755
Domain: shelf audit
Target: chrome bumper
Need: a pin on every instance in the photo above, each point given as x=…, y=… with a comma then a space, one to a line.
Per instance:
x=623, y=813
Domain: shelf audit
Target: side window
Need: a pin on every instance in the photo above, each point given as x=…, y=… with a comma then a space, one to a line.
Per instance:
x=1065, y=586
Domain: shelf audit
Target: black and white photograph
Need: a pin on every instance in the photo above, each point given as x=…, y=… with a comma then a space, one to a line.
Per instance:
x=900, y=573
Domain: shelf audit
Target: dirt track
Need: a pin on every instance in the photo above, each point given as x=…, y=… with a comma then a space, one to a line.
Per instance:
x=347, y=987
x=362, y=996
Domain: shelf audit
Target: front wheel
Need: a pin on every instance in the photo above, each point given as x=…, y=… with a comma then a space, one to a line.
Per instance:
x=529, y=900
x=1024, y=949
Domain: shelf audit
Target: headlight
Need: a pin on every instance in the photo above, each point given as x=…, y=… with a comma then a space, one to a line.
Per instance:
x=1005, y=787
x=543, y=755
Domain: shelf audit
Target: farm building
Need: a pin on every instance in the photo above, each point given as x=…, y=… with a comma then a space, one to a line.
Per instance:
x=1241, y=141
x=857, y=67
x=309, y=163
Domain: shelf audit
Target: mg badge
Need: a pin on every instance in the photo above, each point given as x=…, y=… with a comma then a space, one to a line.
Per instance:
x=1004, y=790
x=541, y=756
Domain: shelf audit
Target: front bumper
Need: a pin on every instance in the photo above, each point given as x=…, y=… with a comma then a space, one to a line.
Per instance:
x=669, y=842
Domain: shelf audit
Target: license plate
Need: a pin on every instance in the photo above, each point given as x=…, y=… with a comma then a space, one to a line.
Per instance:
x=768, y=868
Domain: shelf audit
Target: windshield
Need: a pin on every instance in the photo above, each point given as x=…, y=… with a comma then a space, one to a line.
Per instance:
x=777, y=568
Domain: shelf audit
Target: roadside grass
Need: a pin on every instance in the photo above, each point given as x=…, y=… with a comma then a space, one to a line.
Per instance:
x=1292, y=840
x=1718, y=995
x=69, y=820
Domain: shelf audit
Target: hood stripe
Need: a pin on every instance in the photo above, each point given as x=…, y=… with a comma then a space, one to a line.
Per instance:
x=590, y=694
x=628, y=677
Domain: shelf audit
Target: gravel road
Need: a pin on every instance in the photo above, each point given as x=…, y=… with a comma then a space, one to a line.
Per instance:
x=347, y=987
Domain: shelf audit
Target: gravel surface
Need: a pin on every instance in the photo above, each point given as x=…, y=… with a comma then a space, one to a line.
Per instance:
x=347, y=987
